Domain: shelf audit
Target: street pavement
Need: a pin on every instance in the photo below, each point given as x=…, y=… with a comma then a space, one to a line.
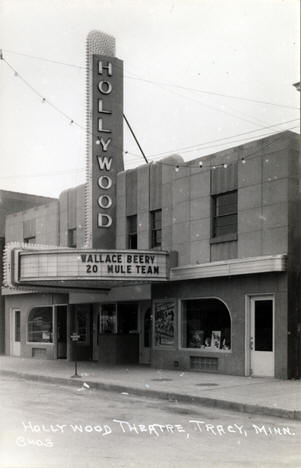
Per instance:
x=45, y=425
x=264, y=396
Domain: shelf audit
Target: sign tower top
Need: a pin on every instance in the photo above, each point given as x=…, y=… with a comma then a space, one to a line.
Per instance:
x=104, y=139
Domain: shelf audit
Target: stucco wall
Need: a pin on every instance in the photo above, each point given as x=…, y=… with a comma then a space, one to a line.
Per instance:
x=44, y=224
x=72, y=215
x=265, y=184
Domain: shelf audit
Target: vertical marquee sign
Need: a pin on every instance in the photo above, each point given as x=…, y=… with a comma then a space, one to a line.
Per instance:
x=105, y=138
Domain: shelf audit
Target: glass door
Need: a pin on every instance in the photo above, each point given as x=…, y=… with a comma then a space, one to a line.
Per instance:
x=262, y=336
x=61, y=323
x=15, y=323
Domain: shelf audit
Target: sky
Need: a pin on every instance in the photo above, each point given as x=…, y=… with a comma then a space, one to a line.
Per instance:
x=193, y=71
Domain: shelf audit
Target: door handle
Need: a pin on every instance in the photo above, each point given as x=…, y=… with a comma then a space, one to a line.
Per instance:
x=251, y=342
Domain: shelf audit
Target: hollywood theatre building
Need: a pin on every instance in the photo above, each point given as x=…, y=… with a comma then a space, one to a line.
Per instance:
x=178, y=265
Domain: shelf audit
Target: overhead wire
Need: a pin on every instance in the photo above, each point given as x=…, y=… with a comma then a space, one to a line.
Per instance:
x=213, y=93
x=72, y=121
x=154, y=157
x=234, y=112
x=244, y=158
x=80, y=126
x=57, y=62
x=214, y=108
x=158, y=84
x=53, y=106
x=44, y=174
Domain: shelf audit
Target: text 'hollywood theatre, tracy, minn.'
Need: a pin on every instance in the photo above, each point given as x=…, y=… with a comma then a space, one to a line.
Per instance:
x=189, y=265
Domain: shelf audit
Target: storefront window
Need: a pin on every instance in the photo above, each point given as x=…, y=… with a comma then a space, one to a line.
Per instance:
x=206, y=325
x=165, y=323
x=40, y=325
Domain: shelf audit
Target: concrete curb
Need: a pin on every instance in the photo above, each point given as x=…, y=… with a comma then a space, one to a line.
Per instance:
x=163, y=395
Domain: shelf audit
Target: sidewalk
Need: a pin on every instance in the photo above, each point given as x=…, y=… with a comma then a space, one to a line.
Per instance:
x=281, y=398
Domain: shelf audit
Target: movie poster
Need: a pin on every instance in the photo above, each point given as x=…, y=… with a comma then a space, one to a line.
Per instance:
x=165, y=323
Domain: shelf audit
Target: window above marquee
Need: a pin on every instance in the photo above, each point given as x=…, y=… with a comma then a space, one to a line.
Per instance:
x=72, y=237
x=132, y=239
x=156, y=228
x=224, y=214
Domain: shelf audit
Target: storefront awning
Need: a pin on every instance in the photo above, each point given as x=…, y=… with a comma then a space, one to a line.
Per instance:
x=240, y=266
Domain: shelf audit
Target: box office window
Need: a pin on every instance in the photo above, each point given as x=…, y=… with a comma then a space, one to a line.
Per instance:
x=108, y=318
x=132, y=231
x=224, y=214
x=40, y=325
x=206, y=325
x=127, y=318
x=156, y=228
x=119, y=318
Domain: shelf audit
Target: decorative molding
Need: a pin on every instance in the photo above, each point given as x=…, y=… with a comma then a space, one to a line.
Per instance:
x=245, y=266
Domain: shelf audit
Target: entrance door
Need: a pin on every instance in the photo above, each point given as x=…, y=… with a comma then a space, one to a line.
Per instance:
x=15, y=327
x=262, y=336
x=61, y=333
x=146, y=335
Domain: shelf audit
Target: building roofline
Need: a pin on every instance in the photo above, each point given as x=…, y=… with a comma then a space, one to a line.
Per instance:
x=29, y=195
x=177, y=158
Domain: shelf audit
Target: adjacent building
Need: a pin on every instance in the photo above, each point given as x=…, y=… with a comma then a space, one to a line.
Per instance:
x=12, y=202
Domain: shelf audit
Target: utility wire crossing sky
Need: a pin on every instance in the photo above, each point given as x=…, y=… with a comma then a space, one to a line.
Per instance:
x=199, y=77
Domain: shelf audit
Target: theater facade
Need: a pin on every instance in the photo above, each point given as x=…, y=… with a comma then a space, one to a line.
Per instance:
x=191, y=266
